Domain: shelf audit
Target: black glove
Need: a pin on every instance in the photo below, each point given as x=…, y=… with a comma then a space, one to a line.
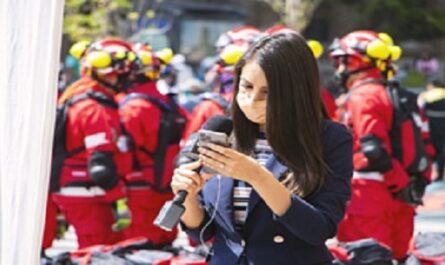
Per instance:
x=414, y=191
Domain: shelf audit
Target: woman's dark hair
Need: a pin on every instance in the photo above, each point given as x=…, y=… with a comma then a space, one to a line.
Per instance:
x=294, y=110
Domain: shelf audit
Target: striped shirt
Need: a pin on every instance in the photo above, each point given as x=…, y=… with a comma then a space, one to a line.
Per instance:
x=242, y=190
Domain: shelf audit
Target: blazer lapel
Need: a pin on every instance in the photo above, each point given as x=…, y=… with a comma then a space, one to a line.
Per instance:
x=277, y=169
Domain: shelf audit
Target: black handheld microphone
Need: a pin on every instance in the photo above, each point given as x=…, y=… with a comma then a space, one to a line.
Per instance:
x=172, y=210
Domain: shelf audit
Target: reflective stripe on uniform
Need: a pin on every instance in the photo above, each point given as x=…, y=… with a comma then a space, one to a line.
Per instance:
x=96, y=139
x=377, y=176
x=423, y=125
x=78, y=173
x=435, y=114
x=82, y=191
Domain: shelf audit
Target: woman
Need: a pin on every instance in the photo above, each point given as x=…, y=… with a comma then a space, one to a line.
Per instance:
x=279, y=199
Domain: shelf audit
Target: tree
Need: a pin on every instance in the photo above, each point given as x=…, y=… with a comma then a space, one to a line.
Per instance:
x=424, y=19
x=296, y=14
x=404, y=19
x=89, y=19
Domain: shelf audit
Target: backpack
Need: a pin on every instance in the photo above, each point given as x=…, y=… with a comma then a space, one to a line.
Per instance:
x=60, y=153
x=171, y=129
x=406, y=138
x=361, y=252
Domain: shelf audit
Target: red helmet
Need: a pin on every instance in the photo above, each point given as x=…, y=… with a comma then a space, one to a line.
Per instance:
x=362, y=49
x=146, y=63
x=239, y=36
x=108, y=57
x=279, y=29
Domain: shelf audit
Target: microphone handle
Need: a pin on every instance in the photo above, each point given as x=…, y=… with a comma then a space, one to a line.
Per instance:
x=180, y=196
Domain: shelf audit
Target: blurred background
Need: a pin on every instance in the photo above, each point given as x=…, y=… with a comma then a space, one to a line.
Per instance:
x=192, y=27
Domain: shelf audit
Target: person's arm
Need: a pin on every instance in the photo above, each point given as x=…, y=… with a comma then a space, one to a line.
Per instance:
x=185, y=178
x=314, y=219
x=274, y=193
x=370, y=123
x=231, y=163
x=194, y=217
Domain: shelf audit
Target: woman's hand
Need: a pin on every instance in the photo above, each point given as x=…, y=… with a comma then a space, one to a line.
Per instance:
x=231, y=163
x=185, y=178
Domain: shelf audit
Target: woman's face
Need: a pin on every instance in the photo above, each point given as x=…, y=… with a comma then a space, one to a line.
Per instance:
x=252, y=93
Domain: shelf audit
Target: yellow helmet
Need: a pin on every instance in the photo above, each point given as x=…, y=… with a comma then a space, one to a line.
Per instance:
x=108, y=56
x=78, y=49
x=386, y=38
x=147, y=63
x=165, y=55
x=316, y=47
x=231, y=54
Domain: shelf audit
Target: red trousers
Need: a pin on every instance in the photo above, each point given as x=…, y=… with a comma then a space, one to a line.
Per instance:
x=372, y=212
x=91, y=217
x=50, y=229
x=145, y=204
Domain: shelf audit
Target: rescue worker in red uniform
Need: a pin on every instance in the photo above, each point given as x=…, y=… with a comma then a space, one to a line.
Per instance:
x=50, y=229
x=91, y=179
x=230, y=47
x=329, y=103
x=373, y=210
x=432, y=104
x=143, y=112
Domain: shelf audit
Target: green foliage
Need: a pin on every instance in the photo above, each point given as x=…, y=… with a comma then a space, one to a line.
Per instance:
x=403, y=19
x=89, y=19
x=295, y=14
x=414, y=79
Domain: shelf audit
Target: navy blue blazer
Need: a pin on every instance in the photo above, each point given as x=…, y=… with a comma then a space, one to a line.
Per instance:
x=295, y=238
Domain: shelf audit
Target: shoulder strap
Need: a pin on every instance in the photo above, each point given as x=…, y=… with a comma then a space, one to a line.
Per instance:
x=161, y=105
x=101, y=98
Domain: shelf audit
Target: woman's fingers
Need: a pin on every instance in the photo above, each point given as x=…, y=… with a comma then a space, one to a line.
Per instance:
x=192, y=166
x=218, y=148
x=185, y=179
x=212, y=163
x=192, y=175
x=212, y=154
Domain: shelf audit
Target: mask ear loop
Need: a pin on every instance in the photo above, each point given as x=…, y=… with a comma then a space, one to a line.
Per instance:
x=212, y=217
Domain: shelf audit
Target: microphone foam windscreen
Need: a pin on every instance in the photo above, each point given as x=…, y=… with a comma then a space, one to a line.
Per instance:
x=219, y=123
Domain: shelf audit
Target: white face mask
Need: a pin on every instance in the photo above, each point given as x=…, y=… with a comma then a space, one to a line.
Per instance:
x=255, y=111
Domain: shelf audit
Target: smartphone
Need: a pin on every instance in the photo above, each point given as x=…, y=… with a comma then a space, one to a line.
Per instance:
x=218, y=138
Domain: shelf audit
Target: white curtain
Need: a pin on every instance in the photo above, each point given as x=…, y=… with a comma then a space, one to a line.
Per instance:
x=30, y=40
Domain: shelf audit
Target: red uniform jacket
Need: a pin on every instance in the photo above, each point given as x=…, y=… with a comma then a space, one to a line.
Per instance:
x=369, y=111
x=141, y=120
x=329, y=103
x=204, y=111
x=97, y=128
